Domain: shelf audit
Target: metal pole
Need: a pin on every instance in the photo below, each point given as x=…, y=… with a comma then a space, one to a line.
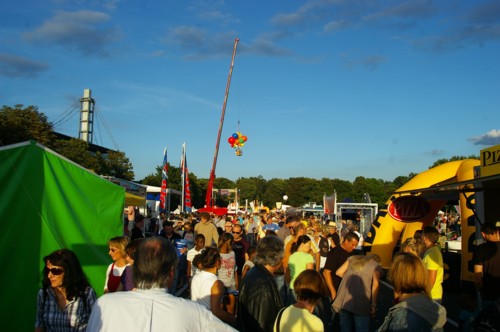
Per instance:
x=208, y=197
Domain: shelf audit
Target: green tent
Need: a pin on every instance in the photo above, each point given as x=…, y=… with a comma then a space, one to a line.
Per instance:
x=46, y=203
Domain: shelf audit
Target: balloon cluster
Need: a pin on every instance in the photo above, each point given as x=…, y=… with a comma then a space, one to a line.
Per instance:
x=237, y=141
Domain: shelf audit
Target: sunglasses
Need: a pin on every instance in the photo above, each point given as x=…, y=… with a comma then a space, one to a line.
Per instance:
x=55, y=271
x=236, y=232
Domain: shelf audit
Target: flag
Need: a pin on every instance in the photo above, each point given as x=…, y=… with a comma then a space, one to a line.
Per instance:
x=329, y=203
x=186, y=189
x=164, y=178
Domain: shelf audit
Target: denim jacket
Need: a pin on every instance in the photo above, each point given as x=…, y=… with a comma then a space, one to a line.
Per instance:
x=417, y=313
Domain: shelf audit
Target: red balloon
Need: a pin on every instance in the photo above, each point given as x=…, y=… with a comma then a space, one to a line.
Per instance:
x=231, y=140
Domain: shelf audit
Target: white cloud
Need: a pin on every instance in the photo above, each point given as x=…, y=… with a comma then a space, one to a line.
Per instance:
x=82, y=30
x=492, y=137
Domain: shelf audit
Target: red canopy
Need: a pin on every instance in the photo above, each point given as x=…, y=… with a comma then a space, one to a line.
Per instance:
x=220, y=211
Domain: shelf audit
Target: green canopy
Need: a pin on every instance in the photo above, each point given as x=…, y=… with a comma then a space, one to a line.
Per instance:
x=46, y=203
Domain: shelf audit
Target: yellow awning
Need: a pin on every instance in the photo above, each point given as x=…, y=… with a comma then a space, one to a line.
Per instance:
x=134, y=200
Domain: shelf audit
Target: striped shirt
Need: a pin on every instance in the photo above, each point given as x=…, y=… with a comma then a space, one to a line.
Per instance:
x=74, y=317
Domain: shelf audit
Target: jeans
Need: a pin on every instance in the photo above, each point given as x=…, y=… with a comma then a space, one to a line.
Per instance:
x=353, y=322
x=280, y=282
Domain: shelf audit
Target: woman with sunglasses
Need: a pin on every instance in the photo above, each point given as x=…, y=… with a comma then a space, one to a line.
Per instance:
x=115, y=270
x=66, y=299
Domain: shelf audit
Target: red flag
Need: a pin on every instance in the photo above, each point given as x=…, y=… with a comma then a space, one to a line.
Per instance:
x=164, y=178
x=187, y=189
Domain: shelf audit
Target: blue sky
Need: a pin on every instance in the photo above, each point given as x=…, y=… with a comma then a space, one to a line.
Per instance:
x=335, y=89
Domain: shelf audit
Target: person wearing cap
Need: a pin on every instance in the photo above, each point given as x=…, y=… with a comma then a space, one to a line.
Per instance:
x=332, y=233
x=168, y=232
x=284, y=230
x=138, y=230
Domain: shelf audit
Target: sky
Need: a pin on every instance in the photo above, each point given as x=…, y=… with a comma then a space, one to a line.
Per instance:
x=321, y=88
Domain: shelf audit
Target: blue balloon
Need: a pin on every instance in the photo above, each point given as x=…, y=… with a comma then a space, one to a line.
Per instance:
x=235, y=136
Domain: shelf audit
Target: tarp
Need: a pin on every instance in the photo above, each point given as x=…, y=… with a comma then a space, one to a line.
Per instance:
x=134, y=200
x=46, y=203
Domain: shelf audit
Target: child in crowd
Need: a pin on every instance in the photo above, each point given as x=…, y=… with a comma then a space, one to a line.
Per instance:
x=252, y=250
x=227, y=270
x=199, y=244
x=188, y=235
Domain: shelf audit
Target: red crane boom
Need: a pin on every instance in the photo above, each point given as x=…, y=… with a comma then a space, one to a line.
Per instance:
x=210, y=185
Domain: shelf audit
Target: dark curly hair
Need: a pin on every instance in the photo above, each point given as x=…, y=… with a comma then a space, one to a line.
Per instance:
x=75, y=281
x=208, y=258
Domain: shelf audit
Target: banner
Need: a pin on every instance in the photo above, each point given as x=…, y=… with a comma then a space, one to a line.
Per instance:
x=329, y=203
x=164, y=178
x=186, y=189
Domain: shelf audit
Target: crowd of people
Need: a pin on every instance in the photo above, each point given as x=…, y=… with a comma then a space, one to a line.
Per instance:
x=262, y=272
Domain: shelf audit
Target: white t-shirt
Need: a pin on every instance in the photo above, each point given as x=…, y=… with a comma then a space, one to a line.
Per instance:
x=190, y=256
x=117, y=272
x=201, y=288
x=151, y=310
x=227, y=270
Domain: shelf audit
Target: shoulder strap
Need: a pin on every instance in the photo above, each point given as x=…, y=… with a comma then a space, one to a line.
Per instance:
x=278, y=320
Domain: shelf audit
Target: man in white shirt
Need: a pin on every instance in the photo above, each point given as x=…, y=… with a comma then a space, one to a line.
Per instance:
x=150, y=307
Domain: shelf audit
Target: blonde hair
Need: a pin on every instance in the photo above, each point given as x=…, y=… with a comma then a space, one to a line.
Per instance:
x=358, y=262
x=121, y=243
x=409, y=275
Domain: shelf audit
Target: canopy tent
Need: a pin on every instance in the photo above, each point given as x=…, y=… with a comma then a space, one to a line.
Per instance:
x=48, y=202
x=134, y=200
x=219, y=211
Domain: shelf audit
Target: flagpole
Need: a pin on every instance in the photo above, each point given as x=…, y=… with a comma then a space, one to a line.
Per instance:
x=164, y=184
x=183, y=177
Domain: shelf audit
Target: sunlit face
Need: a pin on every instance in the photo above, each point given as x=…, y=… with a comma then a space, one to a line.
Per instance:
x=199, y=243
x=349, y=246
x=305, y=247
x=237, y=232
x=55, y=275
x=168, y=230
x=115, y=253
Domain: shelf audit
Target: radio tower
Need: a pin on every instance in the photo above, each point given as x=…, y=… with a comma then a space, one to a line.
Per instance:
x=87, y=116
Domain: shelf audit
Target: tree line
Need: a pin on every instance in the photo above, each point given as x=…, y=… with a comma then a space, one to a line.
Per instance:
x=19, y=123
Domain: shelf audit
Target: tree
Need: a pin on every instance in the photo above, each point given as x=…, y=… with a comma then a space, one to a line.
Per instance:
x=454, y=158
x=117, y=164
x=18, y=124
x=275, y=189
x=302, y=190
x=76, y=150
